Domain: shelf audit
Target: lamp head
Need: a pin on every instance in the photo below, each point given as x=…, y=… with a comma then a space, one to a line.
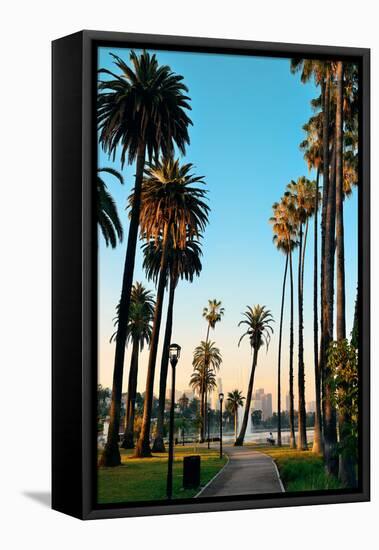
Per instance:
x=174, y=352
x=221, y=397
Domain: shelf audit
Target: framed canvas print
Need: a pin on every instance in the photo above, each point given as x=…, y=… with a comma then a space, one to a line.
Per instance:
x=211, y=275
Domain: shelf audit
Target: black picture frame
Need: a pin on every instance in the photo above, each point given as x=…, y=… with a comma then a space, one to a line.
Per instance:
x=74, y=273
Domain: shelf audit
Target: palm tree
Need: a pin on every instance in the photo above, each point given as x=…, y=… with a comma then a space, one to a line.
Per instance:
x=183, y=263
x=202, y=380
x=258, y=320
x=139, y=333
x=322, y=73
x=235, y=400
x=206, y=355
x=301, y=194
x=350, y=128
x=142, y=111
x=284, y=245
x=312, y=147
x=107, y=215
x=213, y=314
x=173, y=210
x=285, y=233
x=340, y=247
x=346, y=176
x=344, y=104
x=206, y=361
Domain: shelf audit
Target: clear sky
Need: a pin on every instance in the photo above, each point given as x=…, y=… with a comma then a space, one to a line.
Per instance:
x=247, y=115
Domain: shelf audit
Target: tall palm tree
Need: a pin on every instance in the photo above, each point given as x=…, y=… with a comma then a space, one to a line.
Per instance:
x=183, y=263
x=328, y=275
x=346, y=176
x=322, y=73
x=173, y=209
x=138, y=333
x=142, y=111
x=301, y=194
x=206, y=361
x=235, y=401
x=340, y=246
x=107, y=215
x=280, y=240
x=213, y=314
x=258, y=320
x=312, y=147
x=285, y=233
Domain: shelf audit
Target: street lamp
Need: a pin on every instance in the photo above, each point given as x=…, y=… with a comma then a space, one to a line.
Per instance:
x=221, y=399
x=174, y=354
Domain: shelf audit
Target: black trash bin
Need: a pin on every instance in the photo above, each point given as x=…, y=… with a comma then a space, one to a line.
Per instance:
x=191, y=472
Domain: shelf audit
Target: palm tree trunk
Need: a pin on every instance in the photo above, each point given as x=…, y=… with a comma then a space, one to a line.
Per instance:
x=291, y=411
x=317, y=439
x=302, y=434
x=158, y=446
x=128, y=440
x=330, y=419
x=340, y=245
x=280, y=355
x=143, y=446
x=355, y=330
x=346, y=462
x=241, y=437
x=303, y=254
x=202, y=414
x=111, y=453
x=325, y=202
x=205, y=409
x=327, y=286
x=205, y=415
x=235, y=423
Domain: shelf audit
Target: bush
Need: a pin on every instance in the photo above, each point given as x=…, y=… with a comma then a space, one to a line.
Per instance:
x=305, y=472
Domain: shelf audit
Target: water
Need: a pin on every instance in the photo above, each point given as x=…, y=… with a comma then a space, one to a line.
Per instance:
x=257, y=435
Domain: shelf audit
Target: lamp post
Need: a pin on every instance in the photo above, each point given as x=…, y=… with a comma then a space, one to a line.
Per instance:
x=208, y=416
x=221, y=399
x=174, y=354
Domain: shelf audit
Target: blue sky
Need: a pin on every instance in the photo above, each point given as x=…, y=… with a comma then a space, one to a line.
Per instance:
x=247, y=115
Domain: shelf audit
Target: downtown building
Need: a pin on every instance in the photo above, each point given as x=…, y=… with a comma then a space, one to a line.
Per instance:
x=262, y=401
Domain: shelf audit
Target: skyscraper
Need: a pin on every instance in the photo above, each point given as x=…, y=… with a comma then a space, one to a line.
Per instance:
x=267, y=406
x=262, y=402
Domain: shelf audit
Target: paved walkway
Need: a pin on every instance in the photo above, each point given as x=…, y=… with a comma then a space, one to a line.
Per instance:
x=247, y=472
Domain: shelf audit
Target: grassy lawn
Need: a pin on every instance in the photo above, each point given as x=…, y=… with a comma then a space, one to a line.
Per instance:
x=145, y=478
x=300, y=470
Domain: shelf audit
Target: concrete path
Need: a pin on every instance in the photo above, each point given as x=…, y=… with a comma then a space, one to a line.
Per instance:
x=247, y=472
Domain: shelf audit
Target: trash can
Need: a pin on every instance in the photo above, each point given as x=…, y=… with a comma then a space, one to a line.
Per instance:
x=191, y=472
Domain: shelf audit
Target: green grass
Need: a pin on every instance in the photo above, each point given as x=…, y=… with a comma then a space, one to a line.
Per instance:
x=300, y=470
x=141, y=479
